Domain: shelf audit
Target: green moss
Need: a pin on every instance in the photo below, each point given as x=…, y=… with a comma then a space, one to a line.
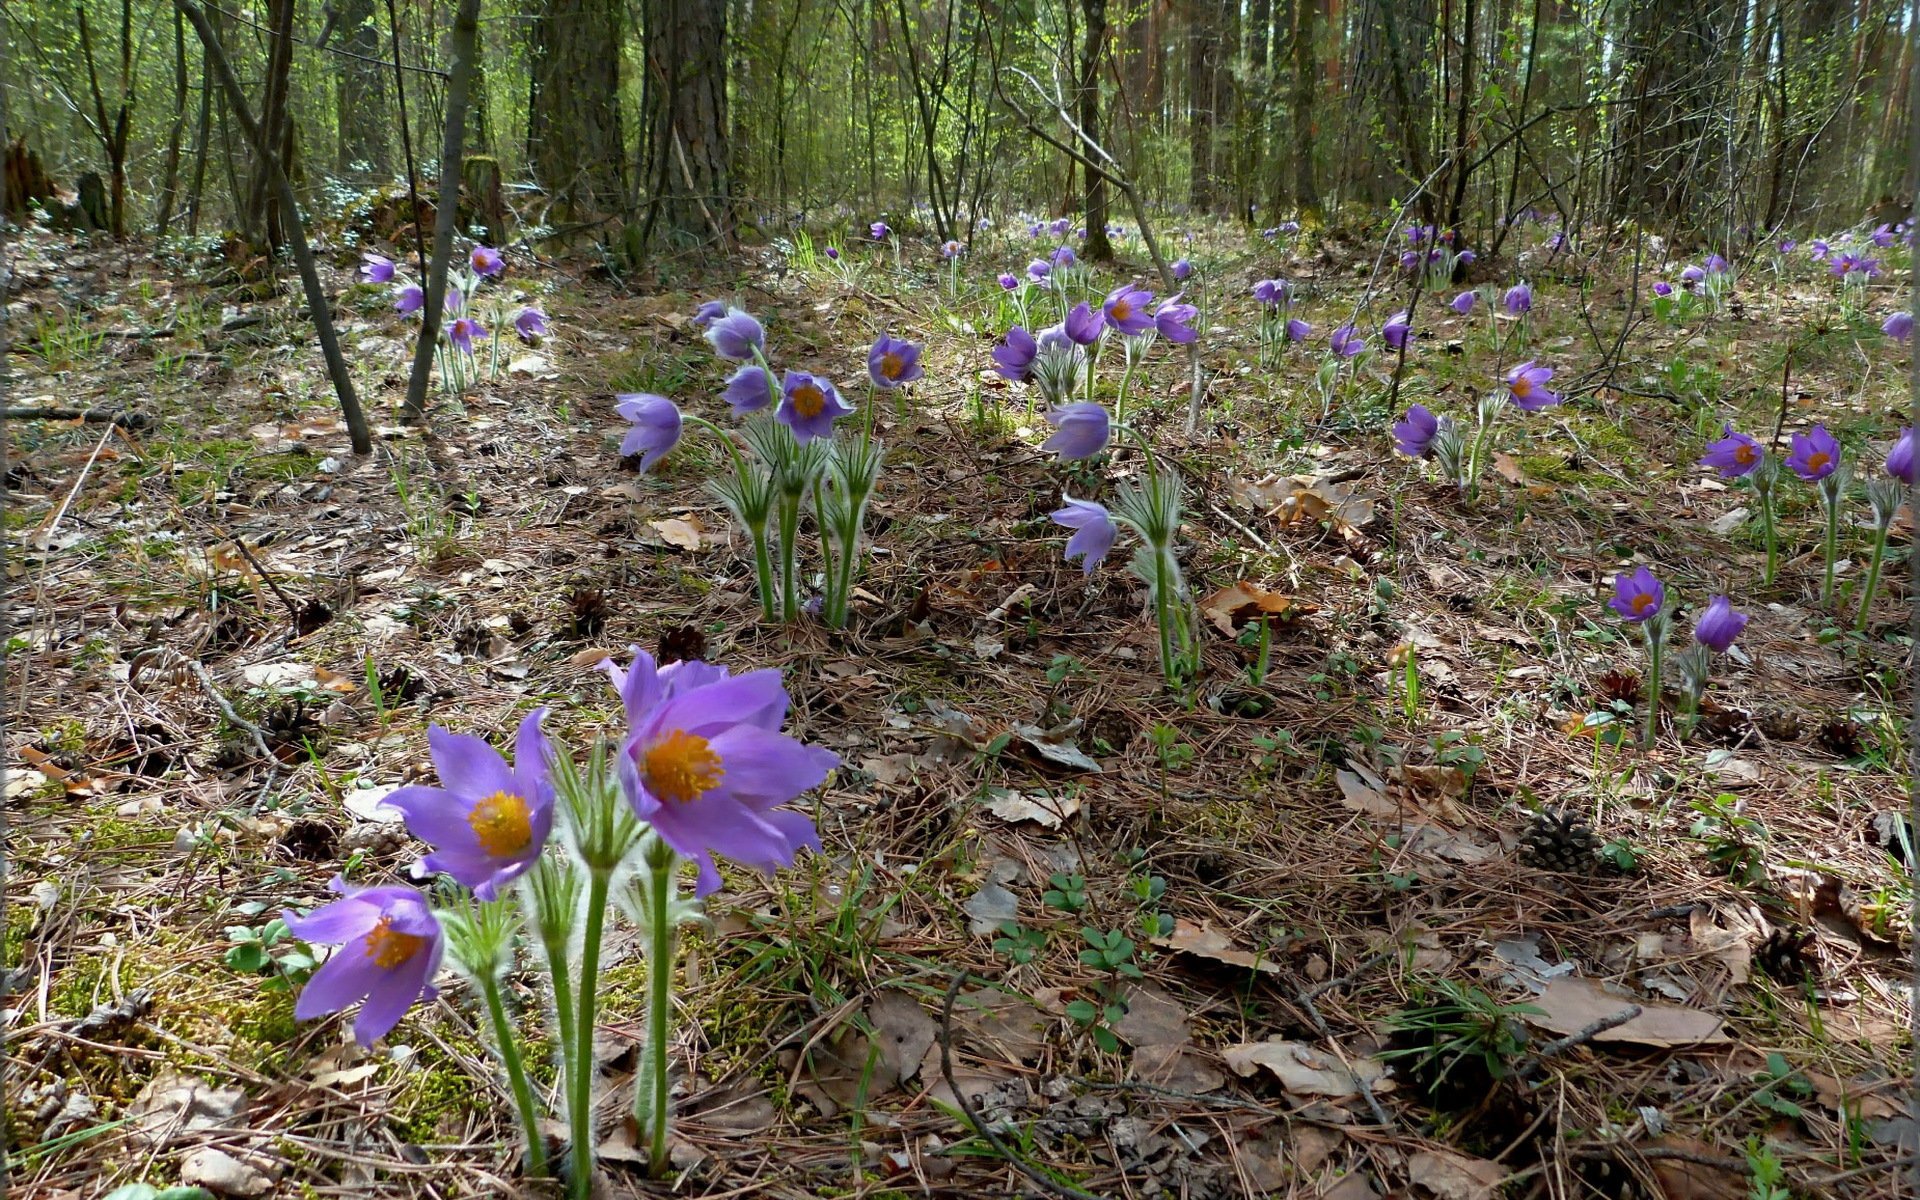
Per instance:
x=1549, y=468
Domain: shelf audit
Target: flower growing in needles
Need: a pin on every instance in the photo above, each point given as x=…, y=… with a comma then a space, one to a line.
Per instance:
x=1395, y=331
x=748, y=389
x=1519, y=299
x=1180, y=270
x=709, y=312
x=656, y=426
x=1527, y=387
x=376, y=268
x=1413, y=434
x=1899, y=326
x=486, y=261
x=1638, y=597
x=1126, y=310
x=1346, y=342
x=1093, y=528
x=390, y=947
x=1900, y=458
x=464, y=332
x=489, y=821
x=1174, y=321
x=1464, y=302
x=531, y=324
x=736, y=335
x=1082, y=430
x=809, y=405
x=1733, y=455
x=409, y=298
x=1084, y=326
x=1719, y=625
x=1816, y=454
x=1271, y=292
x=893, y=361
x=1013, y=358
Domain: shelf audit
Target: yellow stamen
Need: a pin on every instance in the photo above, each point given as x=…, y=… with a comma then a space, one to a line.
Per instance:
x=1744, y=454
x=502, y=824
x=681, y=767
x=1642, y=602
x=389, y=948
x=1817, y=459
x=1523, y=387
x=809, y=400
x=1122, y=310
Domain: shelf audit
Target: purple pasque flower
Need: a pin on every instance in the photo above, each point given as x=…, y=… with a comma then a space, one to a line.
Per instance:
x=1180, y=270
x=748, y=389
x=1395, y=331
x=707, y=767
x=1466, y=258
x=1719, y=625
x=1009, y=280
x=1410, y=260
x=1787, y=245
x=1716, y=265
x=1662, y=288
x=1037, y=229
x=1900, y=458
x=1083, y=325
x=1413, y=434
x=375, y=268
x=1527, y=387
x=809, y=405
x=1693, y=276
x=1464, y=302
x=1519, y=298
x=1125, y=309
x=409, y=298
x=390, y=948
x=1883, y=236
x=1298, y=330
x=735, y=335
x=530, y=323
x=1013, y=358
x=1094, y=531
x=1039, y=269
x=1174, y=320
x=950, y=250
x=1059, y=225
x=1346, y=342
x=1733, y=454
x=1064, y=257
x=1271, y=292
x=1817, y=249
x=486, y=261
x=709, y=312
x=1816, y=454
x=656, y=426
x=879, y=231
x=464, y=332
x=487, y=821
x=1638, y=597
x=1899, y=326
x=833, y=253
x=1081, y=429
x=893, y=361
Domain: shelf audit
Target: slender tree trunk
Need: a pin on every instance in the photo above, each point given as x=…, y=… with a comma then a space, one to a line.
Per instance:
x=1201, y=50
x=170, y=174
x=466, y=31
x=361, y=94
x=203, y=129
x=573, y=129
x=1098, y=247
x=1305, y=132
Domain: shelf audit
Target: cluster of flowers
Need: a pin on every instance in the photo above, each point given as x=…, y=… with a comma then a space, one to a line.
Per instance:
x=530, y=324
x=702, y=770
x=1060, y=359
x=1436, y=252
x=794, y=456
x=1640, y=599
x=1817, y=459
x=1422, y=434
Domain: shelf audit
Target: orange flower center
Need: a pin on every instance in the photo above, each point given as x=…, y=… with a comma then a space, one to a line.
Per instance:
x=1642, y=602
x=891, y=365
x=1122, y=310
x=1818, y=459
x=1523, y=387
x=1744, y=454
x=502, y=824
x=389, y=948
x=809, y=401
x=681, y=767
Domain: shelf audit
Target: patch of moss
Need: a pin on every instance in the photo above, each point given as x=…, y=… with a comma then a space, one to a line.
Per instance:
x=1550, y=468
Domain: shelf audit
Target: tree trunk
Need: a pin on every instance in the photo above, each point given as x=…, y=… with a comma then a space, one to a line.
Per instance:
x=170, y=174
x=1202, y=51
x=466, y=29
x=1305, y=133
x=361, y=92
x=573, y=128
x=1098, y=247
x=689, y=167
x=263, y=216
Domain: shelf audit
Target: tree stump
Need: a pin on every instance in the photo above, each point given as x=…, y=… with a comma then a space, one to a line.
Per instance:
x=91, y=211
x=480, y=180
x=27, y=183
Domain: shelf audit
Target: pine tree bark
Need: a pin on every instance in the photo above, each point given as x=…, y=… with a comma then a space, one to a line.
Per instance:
x=688, y=167
x=1098, y=247
x=361, y=93
x=1305, y=132
x=573, y=126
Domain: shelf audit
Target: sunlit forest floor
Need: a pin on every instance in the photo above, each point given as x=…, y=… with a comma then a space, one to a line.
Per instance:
x=1353, y=979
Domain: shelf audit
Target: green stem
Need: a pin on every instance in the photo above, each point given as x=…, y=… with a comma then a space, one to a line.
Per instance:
x=789, y=556
x=1873, y=580
x=763, y=571
x=1772, y=536
x=580, y=1072
x=1163, y=615
x=516, y=1074
x=826, y=556
x=1833, y=538
x=1120, y=402
x=1656, y=653
x=660, y=956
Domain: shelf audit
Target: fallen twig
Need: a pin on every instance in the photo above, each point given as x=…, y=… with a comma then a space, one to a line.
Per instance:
x=92, y=416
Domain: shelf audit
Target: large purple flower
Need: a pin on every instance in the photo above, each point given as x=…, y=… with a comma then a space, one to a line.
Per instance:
x=708, y=768
x=1519, y=299
x=1662, y=288
x=390, y=948
x=1395, y=331
x=1719, y=625
x=488, y=821
x=1464, y=302
x=892, y=362
x=1637, y=597
x=1083, y=325
x=656, y=426
x=1174, y=320
x=748, y=389
x=1180, y=269
x=951, y=250
x=1081, y=430
x=1900, y=458
x=1013, y=358
x=1733, y=454
x=1039, y=269
x=709, y=312
x=409, y=298
x=1126, y=309
x=375, y=268
x=1298, y=330
x=530, y=323
x=1271, y=292
x=1899, y=326
x=486, y=261
x=1527, y=387
x=1346, y=342
x=1064, y=257
x=736, y=336
x=1816, y=454
x=1094, y=531
x=1009, y=281
x=464, y=332
x=879, y=231
x=1413, y=434
x=809, y=405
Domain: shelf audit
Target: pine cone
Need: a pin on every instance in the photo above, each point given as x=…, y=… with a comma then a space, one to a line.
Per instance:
x=1617, y=687
x=685, y=644
x=375, y=840
x=1789, y=955
x=1777, y=725
x=1728, y=726
x=1557, y=841
x=1841, y=737
x=587, y=612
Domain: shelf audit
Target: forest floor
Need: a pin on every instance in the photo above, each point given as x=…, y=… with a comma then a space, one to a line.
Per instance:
x=1351, y=980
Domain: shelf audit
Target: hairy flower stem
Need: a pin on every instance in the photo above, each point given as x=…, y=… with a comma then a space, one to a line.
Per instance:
x=829, y=587
x=580, y=1068
x=1772, y=536
x=653, y=1057
x=1873, y=578
x=1833, y=539
x=1120, y=401
x=509, y=1049
x=1163, y=616
x=789, y=556
x=1656, y=654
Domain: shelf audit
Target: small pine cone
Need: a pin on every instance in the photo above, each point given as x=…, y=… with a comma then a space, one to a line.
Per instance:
x=688, y=643
x=1777, y=725
x=1789, y=955
x=1728, y=726
x=587, y=612
x=1841, y=737
x=375, y=840
x=1557, y=841
x=1618, y=687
